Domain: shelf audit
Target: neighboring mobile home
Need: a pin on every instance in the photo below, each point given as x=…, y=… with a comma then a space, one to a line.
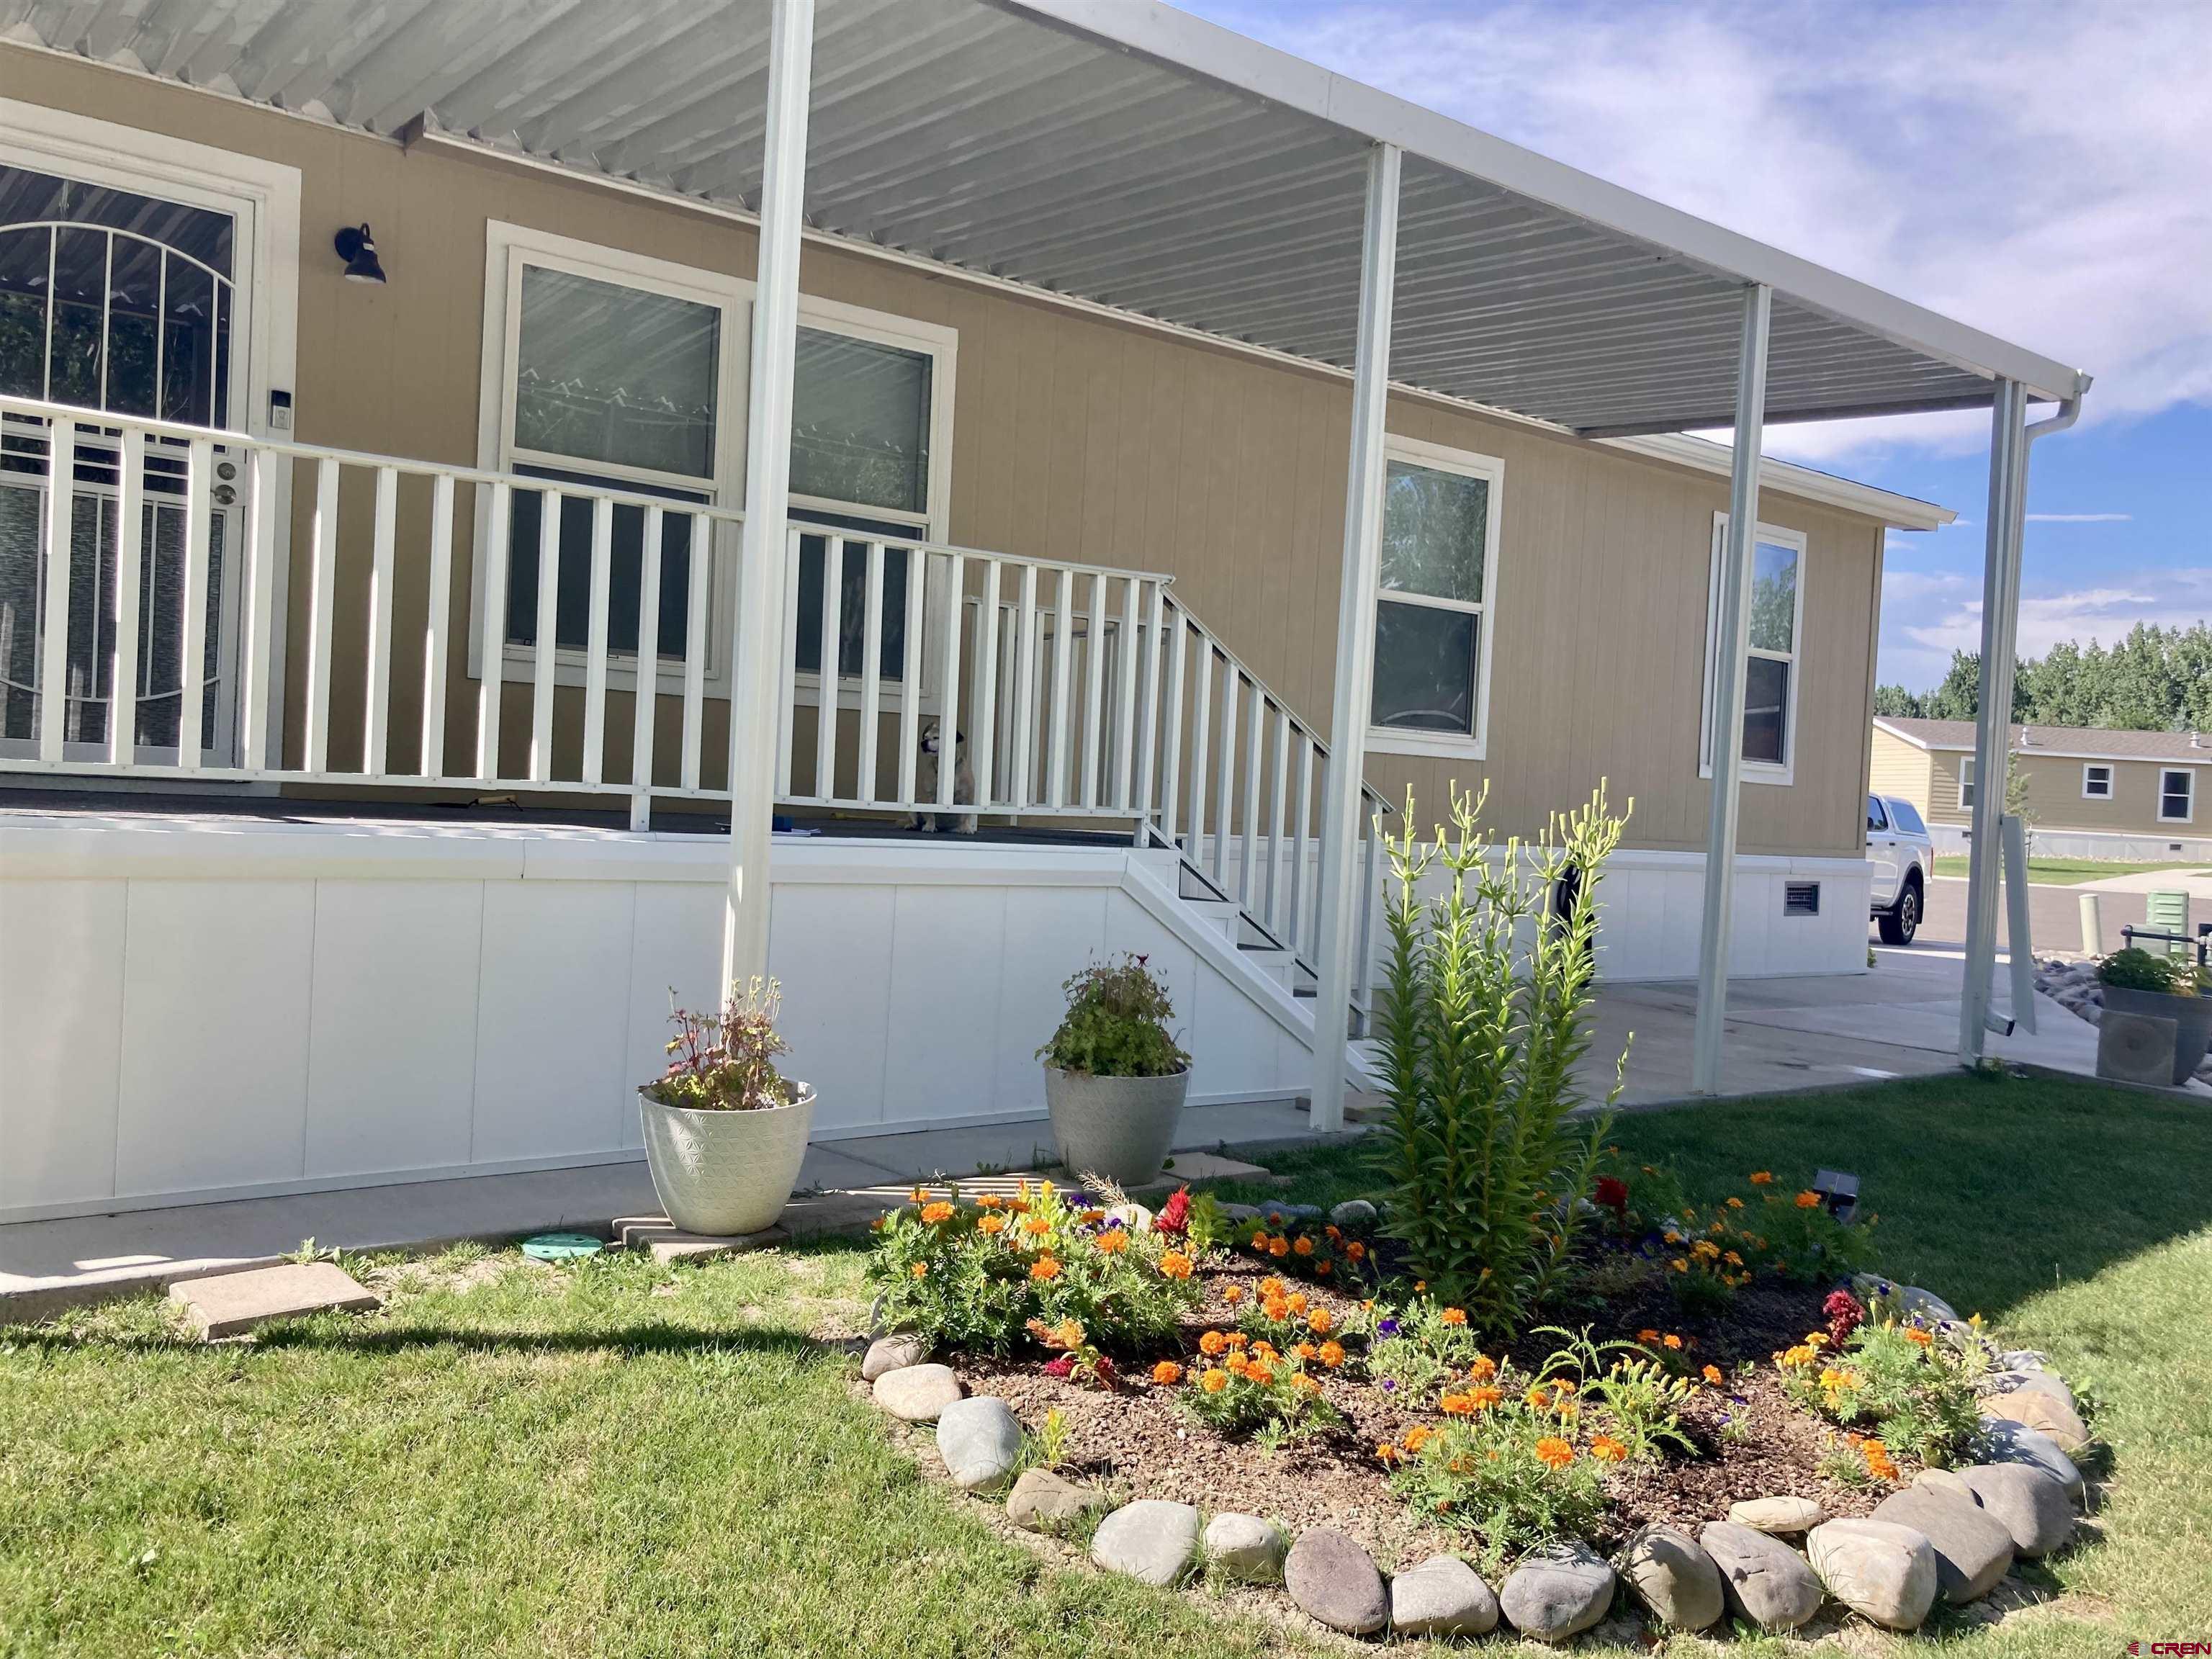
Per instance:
x=420, y=360
x=2087, y=793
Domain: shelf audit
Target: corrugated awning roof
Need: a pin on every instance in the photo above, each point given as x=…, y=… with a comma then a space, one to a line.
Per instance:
x=1127, y=154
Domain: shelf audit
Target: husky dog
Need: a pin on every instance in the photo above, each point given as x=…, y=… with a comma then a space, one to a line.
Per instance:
x=924, y=783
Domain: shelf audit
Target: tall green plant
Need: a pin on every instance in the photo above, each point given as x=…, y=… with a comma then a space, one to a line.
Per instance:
x=1485, y=1017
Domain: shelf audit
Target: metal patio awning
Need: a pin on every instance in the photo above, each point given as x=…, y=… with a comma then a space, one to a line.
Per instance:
x=1116, y=150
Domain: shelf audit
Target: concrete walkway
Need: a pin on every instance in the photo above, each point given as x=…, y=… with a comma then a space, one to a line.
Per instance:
x=1784, y=1035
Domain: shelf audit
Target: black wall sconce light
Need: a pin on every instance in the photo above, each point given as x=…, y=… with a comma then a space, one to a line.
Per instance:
x=358, y=249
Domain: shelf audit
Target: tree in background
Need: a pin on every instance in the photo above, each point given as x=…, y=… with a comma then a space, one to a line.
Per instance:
x=2155, y=679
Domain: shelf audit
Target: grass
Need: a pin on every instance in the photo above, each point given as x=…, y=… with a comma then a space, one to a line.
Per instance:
x=2062, y=873
x=621, y=1459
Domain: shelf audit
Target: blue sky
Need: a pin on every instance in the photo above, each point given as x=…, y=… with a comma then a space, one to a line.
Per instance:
x=2041, y=170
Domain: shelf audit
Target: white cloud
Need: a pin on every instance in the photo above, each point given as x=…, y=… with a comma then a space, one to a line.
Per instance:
x=1926, y=615
x=2036, y=170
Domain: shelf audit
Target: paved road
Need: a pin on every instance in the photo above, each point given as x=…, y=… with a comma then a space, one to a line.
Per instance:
x=2054, y=916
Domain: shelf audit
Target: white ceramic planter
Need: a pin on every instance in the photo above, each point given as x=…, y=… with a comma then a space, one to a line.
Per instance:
x=1121, y=1128
x=722, y=1174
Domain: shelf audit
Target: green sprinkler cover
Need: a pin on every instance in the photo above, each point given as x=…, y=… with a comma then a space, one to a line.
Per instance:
x=561, y=1246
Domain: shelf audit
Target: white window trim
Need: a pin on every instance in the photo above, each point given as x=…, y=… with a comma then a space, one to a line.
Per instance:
x=1965, y=782
x=1467, y=463
x=1756, y=771
x=508, y=247
x=2088, y=793
x=265, y=264
x=2188, y=772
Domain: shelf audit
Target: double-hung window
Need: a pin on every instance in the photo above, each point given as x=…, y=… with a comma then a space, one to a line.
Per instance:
x=2177, y=794
x=1771, y=677
x=2096, y=782
x=1965, y=782
x=1434, y=601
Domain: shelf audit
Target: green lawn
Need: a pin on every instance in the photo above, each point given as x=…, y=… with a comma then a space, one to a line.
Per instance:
x=2062, y=873
x=621, y=1459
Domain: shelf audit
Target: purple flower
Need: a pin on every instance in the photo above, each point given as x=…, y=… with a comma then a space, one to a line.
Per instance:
x=1388, y=1386
x=1387, y=1328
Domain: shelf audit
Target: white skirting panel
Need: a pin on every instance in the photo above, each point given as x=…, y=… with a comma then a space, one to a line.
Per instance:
x=2185, y=845
x=190, y=1011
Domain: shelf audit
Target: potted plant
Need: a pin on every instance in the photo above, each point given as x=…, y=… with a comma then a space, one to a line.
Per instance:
x=1114, y=1077
x=2137, y=982
x=724, y=1131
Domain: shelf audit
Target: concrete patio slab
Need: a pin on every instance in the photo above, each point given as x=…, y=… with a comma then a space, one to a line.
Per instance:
x=231, y=1304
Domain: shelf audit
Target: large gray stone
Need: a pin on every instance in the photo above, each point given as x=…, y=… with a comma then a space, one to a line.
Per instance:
x=892, y=1353
x=1557, y=1592
x=2003, y=1441
x=915, y=1394
x=980, y=1440
x=2043, y=1412
x=1042, y=1502
x=2029, y=1503
x=2050, y=1382
x=1442, y=1596
x=1878, y=1569
x=1766, y=1582
x=230, y=1304
x=1945, y=1480
x=1357, y=1215
x=1778, y=1516
x=1243, y=1546
x=1151, y=1539
x=1333, y=1580
x=1973, y=1550
x=1674, y=1577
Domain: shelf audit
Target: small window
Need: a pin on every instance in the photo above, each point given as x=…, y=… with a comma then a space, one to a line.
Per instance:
x=1877, y=820
x=1801, y=898
x=1431, y=617
x=1770, y=676
x=2096, y=783
x=2177, y=795
x=1965, y=782
x=1906, y=818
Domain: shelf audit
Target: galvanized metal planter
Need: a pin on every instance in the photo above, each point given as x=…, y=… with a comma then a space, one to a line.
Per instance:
x=2192, y=1017
x=1121, y=1128
x=722, y=1174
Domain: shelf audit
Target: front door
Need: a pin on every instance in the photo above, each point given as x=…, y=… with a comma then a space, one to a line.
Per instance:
x=128, y=305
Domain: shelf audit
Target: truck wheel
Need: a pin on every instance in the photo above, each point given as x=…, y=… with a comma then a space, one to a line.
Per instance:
x=1902, y=920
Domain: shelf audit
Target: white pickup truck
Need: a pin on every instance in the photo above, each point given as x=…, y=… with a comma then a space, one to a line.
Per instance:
x=1904, y=860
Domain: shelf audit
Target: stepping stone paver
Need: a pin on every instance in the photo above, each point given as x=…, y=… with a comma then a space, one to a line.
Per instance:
x=669, y=1243
x=230, y=1304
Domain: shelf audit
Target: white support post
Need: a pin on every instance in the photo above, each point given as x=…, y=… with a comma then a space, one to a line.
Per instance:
x=1993, y=727
x=1355, y=638
x=757, y=683
x=1727, y=735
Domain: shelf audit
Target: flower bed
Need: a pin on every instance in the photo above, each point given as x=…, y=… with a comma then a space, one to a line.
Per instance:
x=1278, y=1365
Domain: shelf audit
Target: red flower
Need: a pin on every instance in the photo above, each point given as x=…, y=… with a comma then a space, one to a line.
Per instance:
x=1063, y=1366
x=1612, y=1191
x=1844, y=1315
x=1174, y=1215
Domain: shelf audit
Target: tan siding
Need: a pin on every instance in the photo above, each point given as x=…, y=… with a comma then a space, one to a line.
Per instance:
x=1897, y=767
x=1086, y=439
x=2054, y=800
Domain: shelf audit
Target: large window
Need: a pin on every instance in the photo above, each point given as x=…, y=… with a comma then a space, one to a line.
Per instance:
x=2177, y=795
x=1433, y=605
x=2096, y=782
x=1770, y=655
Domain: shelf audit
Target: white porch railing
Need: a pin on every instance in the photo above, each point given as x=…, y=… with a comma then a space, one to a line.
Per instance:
x=1082, y=692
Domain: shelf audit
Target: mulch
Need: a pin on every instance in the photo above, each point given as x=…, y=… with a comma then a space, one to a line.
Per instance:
x=1135, y=1442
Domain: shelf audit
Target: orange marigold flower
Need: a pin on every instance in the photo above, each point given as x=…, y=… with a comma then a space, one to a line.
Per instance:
x=1276, y=1308
x=989, y=1201
x=1808, y=1199
x=1322, y=1321
x=1734, y=1203
x=934, y=1213
x=1167, y=1373
x=1732, y=1258
x=921, y=1270
x=1356, y=1251
x=1554, y=1453
x=1454, y=1316
x=1762, y=1177
x=1456, y=1405
x=1044, y=1269
x=1565, y=1386
x=1212, y=1343
x=1647, y=1336
x=1092, y=1218
x=1304, y=1245
x=1332, y=1354
x=1214, y=1381
x=1483, y=1397
x=1679, y=1265
x=1671, y=1340
x=1174, y=1264
x=1607, y=1450
x=1420, y=1286
x=1712, y=1375
x=1386, y=1453
x=1417, y=1437
x=1113, y=1242
x=1278, y=1247
x=1235, y=1338
x=1320, y=1268
x=1302, y=1383
x=1232, y=1294
x=919, y=1196
x=1035, y=1226
x=1296, y=1302
x=991, y=1223
x=1538, y=1397
x=1914, y=1334
x=1257, y=1371
x=1305, y=1351
x=1272, y=1285
x=1484, y=1368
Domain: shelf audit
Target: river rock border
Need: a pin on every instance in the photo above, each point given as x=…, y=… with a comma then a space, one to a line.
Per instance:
x=1774, y=1562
